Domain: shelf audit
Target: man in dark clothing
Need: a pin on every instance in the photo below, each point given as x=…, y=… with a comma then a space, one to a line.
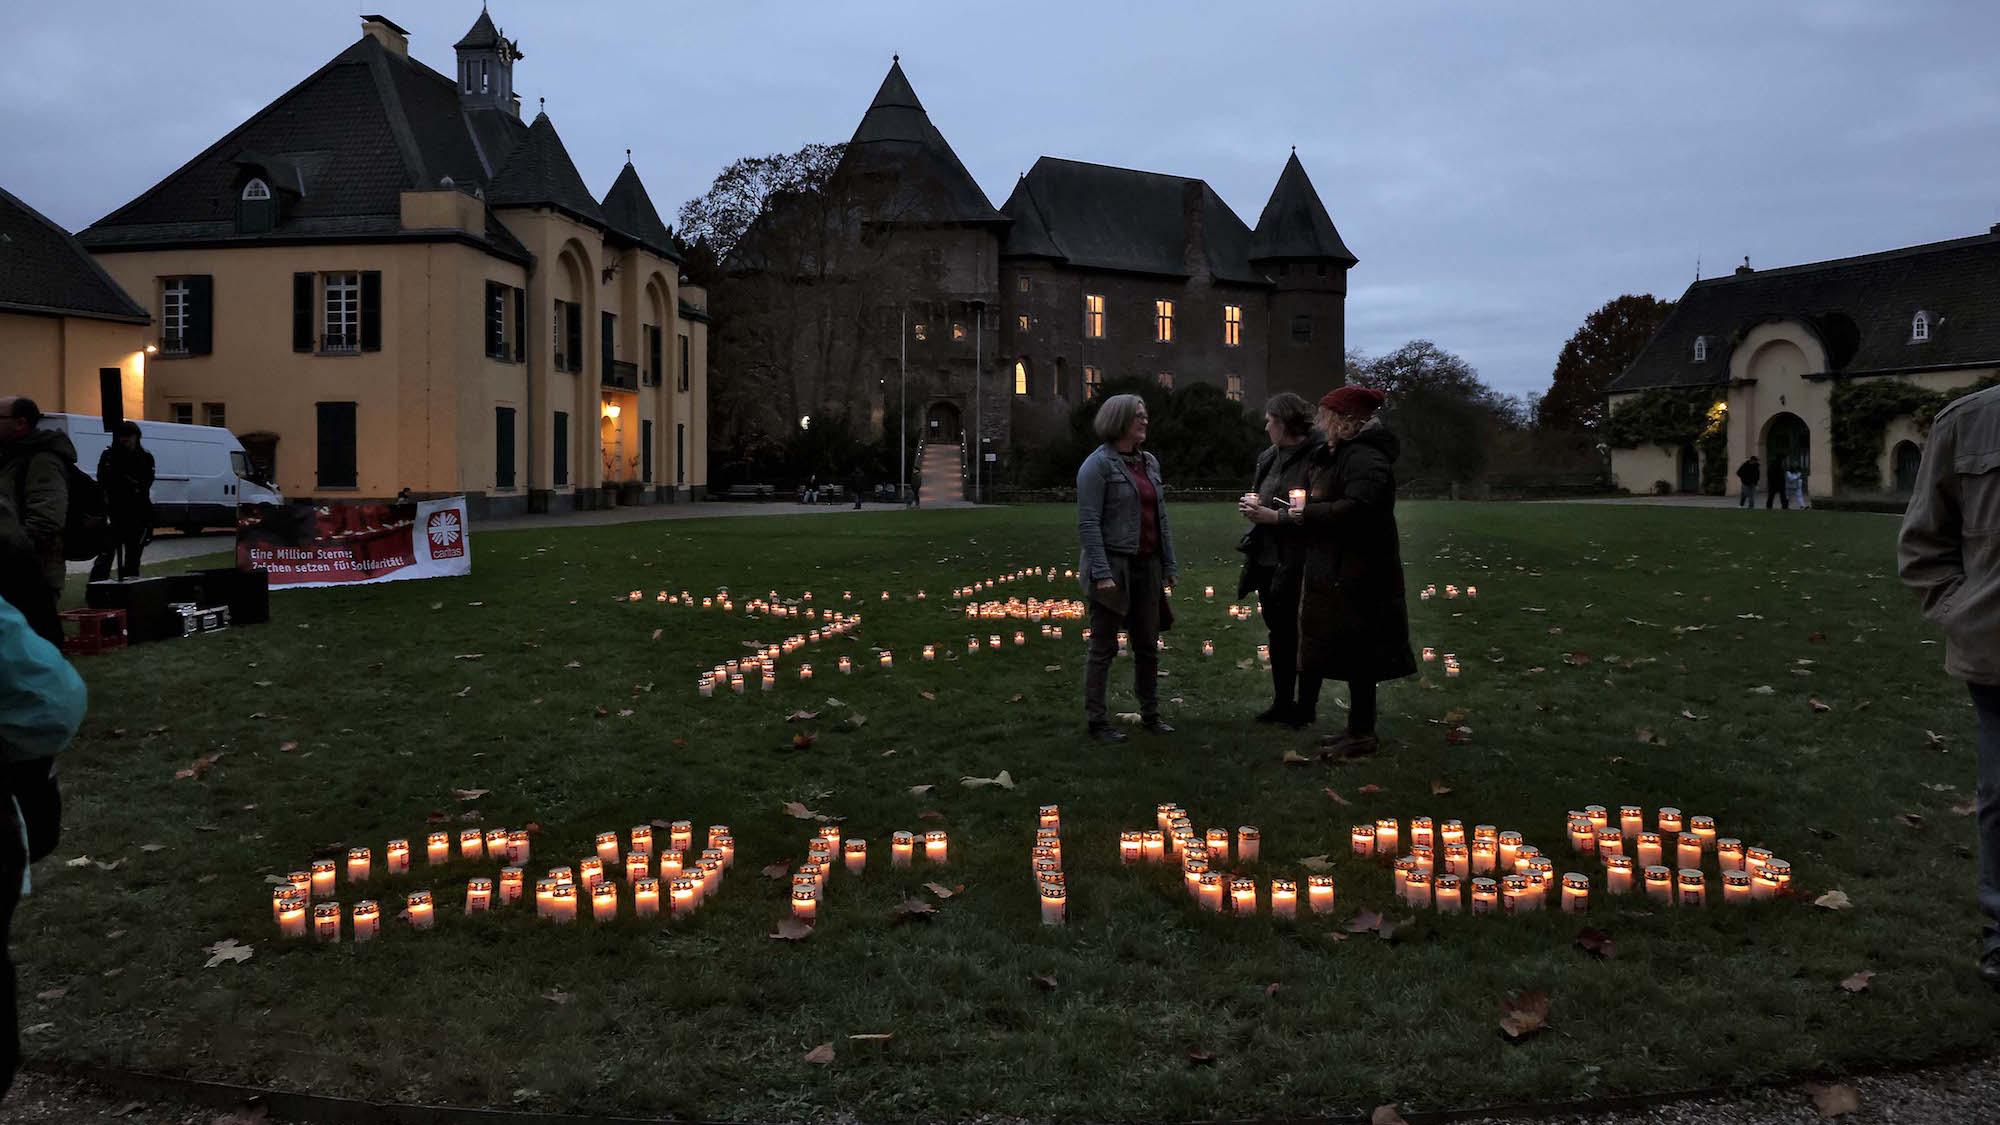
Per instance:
x=125, y=473
x=34, y=477
x=1749, y=472
x=1776, y=490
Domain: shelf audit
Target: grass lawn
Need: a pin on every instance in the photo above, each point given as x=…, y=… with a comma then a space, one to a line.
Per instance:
x=351, y=718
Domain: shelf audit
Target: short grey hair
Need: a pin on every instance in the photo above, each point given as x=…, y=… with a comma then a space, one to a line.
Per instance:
x=1116, y=415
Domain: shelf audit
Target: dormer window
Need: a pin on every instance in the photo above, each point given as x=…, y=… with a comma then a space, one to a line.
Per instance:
x=1701, y=349
x=256, y=189
x=1920, y=327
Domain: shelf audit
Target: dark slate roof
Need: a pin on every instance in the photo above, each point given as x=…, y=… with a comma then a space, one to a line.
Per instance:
x=1860, y=308
x=630, y=212
x=350, y=139
x=44, y=270
x=1093, y=216
x=540, y=173
x=1295, y=223
x=483, y=35
x=901, y=166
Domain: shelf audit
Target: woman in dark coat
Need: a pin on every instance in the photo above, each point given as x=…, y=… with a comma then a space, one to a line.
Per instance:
x=1353, y=622
x=1274, y=554
x=125, y=473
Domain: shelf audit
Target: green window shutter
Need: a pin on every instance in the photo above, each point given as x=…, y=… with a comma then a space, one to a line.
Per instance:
x=302, y=312
x=200, y=337
x=520, y=325
x=371, y=310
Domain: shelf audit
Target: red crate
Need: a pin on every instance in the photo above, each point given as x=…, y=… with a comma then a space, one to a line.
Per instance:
x=97, y=630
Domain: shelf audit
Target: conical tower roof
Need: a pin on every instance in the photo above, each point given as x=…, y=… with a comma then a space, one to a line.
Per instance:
x=1029, y=237
x=630, y=211
x=897, y=143
x=540, y=173
x=483, y=35
x=1295, y=223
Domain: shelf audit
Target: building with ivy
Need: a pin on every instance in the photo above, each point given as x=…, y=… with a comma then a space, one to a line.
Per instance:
x=1834, y=368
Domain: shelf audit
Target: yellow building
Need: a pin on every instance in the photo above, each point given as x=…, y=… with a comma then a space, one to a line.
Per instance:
x=1832, y=369
x=69, y=336
x=385, y=279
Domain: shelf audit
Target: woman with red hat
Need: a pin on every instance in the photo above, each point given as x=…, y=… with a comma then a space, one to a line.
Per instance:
x=1353, y=623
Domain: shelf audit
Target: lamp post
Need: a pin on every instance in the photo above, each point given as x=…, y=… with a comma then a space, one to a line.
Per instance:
x=903, y=408
x=978, y=426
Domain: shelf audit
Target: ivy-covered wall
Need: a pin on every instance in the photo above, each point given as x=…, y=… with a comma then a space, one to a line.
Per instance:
x=1671, y=416
x=1862, y=411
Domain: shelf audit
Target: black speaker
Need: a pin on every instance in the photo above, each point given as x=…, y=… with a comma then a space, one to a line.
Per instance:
x=247, y=593
x=146, y=602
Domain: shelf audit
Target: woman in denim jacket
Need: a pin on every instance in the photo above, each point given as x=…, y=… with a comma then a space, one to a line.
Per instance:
x=1127, y=561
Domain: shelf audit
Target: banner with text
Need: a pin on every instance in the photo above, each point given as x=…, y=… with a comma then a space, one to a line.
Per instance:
x=305, y=544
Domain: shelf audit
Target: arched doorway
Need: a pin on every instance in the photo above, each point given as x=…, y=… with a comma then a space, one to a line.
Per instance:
x=1906, y=460
x=941, y=424
x=1787, y=445
x=1690, y=468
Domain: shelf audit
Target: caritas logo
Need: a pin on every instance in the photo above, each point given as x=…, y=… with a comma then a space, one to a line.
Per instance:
x=447, y=534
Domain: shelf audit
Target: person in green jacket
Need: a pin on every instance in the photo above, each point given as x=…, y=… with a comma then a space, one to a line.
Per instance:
x=42, y=702
x=34, y=481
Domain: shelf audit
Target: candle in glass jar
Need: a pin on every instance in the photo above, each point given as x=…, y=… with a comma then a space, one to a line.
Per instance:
x=935, y=847
x=1131, y=847
x=280, y=895
x=1457, y=860
x=902, y=847
x=638, y=865
x=1523, y=854
x=1687, y=850
x=1632, y=820
x=1575, y=892
x=1669, y=820
x=396, y=857
x=709, y=872
x=1763, y=886
x=1243, y=896
x=1703, y=828
x=471, y=844
x=1510, y=850
x=607, y=847
x=726, y=844
x=1362, y=839
x=322, y=878
x=1296, y=500
x=604, y=902
x=1020, y=638
x=669, y=865
x=358, y=862
x=1780, y=872
x=1421, y=831
x=1193, y=867
x=1430, y=654
x=1449, y=891
x=1598, y=815
x=1049, y=816
x=857, y=856
x=1055, y=901
x=1417, y=889
x=1541, y=875
x=1485, y=856
x=1516, y=896
x=1319, y=893
x=1154, y=844
x=1284, y=898
x=642, y=838
x=1209, y=890
x=1425, y=857
x=590, y=871
x=496, y=843
x=805, y=904
x=1735, y=887
x=510, y=885
x=1693, y=886
x=645, y=897
x=1451, y=832
x=1249, y=843
x=1582, y=837
x=1754, y=859
x=1208, y=648
x=545, y=897
x=1485, y=896
x=828, y=835
x=420, y=909
x=1729, y=854
x=367, y=918
x=517, y=846
x=1659, y=884
x=1651, y=849
x=1404, y=867
x=1610, y=841
x=683, y=891
x=292, y=916
x=1386, y=833
x=326, y=921
x=888, y=659
x=478, y=895
x=1618, y=870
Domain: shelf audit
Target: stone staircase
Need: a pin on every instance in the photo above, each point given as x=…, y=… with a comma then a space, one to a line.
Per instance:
x=942, y=475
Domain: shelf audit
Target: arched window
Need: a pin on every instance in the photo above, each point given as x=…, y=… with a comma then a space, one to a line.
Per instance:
x=1020, y=377
x=1701, y=349
x=1920, y=327
x=256, y=189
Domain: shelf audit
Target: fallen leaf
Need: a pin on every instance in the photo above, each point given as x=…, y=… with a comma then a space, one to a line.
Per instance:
x=469, y=656
x=912, y=908
x=463, y=692
x=930, y=814
x=802, y=716
x=1317, y=864
x=558, y=997
x=942, y=891
x=1044, y=981
x=1366, y=922
x=624, y=712
x=151, y=848
x=1835, y=1100
x=1369, y=790
x=1003, y=779
x=1763, y=689
x=1965, y=808
x=1458, y=736
x=791, y=929
x=1912, y=819
x=1017, y=697
x=797, y=811
x=574, y=664
x=1454, y=716
x=226, y=950
x=804, y=740
x=1524, y=1014
x=1386, y=1115
x=920, y=790
x=1438, y=787
x=1200, y=1058
x=198, y=767
x=51, y=994
x=1692, y=717
x=79, y=861
x=1294, y=758
x=1834, y=900
x=1646, y=736
x=1817, y=705
x=855, y=722
x=112, y=866
x=820, y=1055
x=1271, y=990
x=37, y=1028
x=1859, y=981
x=470, y=794
x=656, y=633
x=777, y=870
x=1597, y=942
x=287, y=746
x=1337, y=798
x=1933, y=738
x=871, y=1037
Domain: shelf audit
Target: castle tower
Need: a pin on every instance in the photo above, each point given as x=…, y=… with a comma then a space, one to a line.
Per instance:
x=1296, y=246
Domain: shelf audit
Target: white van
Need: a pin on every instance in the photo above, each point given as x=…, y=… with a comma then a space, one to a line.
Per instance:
x=200, y=473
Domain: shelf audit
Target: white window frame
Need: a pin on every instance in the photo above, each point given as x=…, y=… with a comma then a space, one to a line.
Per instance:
x=1093, y=316
x=1093, y=380
x=215, y=414
x=1920, y=327
x=180, y=413
x=1163, y=321
x=340, y=309
x=1166, y=380
x=1701, y=349
x=173, y=315
x=1233, y=385
x=256, y=189
x=1232, y=326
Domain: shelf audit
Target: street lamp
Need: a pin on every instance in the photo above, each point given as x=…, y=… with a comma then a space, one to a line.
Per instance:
x=978, y=426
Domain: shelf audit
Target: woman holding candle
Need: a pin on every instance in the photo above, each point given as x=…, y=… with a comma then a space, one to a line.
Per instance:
x=1127, y=561
x=1274, y=553
x=1353, y=625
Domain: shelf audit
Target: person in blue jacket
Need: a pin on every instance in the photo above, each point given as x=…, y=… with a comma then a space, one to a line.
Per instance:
x=42, y=701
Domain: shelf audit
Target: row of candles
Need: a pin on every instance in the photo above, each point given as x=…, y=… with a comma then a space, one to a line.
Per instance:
x=1200, y=854
x=764, y=665
x=1032, y=609
x=1046, y=861
x=556, y=895
x=1021, y=575
x=809, y=879
x=772, y=605
x=1747, y=874
x=1450, y=592
x=1450, y=661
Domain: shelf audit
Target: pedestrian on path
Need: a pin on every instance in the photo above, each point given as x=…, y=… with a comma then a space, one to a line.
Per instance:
x=1795, y=485
x=125, y=473
x=1949, y=554
x=1776, y=489
x=1749, y=472
x=1126, y=562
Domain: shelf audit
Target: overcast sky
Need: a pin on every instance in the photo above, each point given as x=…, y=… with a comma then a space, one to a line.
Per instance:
x=1500, y=169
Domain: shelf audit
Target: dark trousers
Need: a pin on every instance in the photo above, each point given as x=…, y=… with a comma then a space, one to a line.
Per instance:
x=1777, y=492
x=1986, y=701
x=1279, y=601
x=1141, y=623
x=13, y=861
x=1749, y=496
x=128, y=541
x=1360, y=702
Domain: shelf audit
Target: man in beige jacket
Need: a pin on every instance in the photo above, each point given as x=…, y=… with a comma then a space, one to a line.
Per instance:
x=1949, y=553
